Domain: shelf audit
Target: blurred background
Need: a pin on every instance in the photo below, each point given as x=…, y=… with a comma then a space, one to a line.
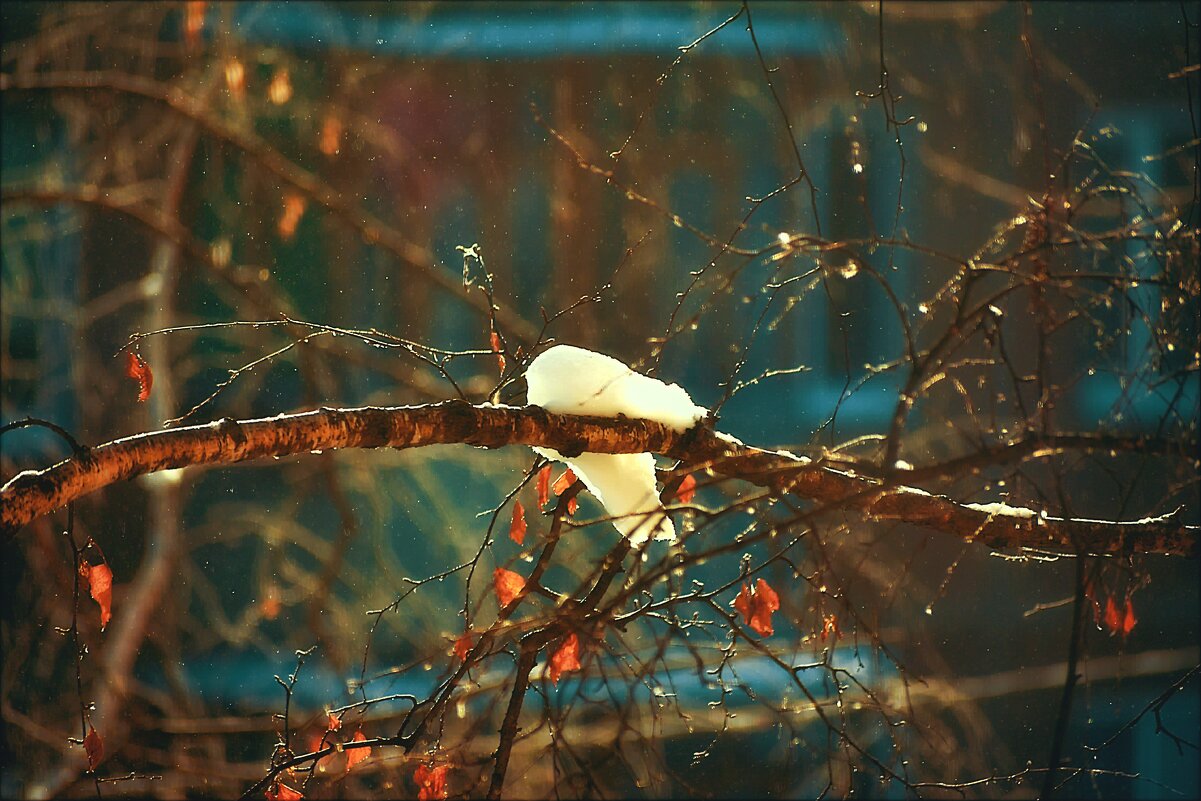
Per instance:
x=178, y=165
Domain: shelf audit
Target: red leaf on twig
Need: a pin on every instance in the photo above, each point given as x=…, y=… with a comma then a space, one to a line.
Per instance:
x=463, y=645
x=282, y=792
x=431, y=782
x=517, y=526
x=563, y=482
x=94, y=746
x=137, y=369
x=1113, y=620
x=100, y=585
x=687, y=490
x=830, y=627
x=543, y=486
x=1129, y=621
x=356, y=755
x=500, y=357
x=757, y=606
x=507, y=585
x=565, y=659
x=333, y=723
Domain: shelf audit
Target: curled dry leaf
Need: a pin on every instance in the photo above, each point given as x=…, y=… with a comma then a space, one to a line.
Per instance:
x=500, y=357
x=318, y=741
x=1113, y=620
x=93, y=745
x=687, y=490
x=282, y=792
x=431, y=782
x=830, y=627
x=356, y=755
x=517, y=526
x=566, y=659
x=193, y=22
x=1129, y=621
x=563, y=482
x=463, y=645
x=100, y=586
x=756, y=606
x=507, y=584
x=543, y=486
x=137, y=369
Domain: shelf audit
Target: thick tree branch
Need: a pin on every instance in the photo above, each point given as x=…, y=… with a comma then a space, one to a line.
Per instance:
x=34, y=493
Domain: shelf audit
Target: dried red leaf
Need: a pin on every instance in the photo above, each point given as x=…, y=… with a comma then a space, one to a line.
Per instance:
x=756, y=606
x=563, y=482
x=500, y=357
x=431, y=782
x=463, y=645
x=1112, y=619
x=565, y=659
x=333, y=723
x=193, y=22
x=356, y=755
x=517, y=526
x=507, y=584
x=331, y=135
x=318, y=741
x=572, y=505
x=1129, y=621
x=282, y=792
x=137, y=369
x=94, y=746
x=100, y=585
x=830, y=627
x=294, y=206
x=687, y=490
x=543, y=486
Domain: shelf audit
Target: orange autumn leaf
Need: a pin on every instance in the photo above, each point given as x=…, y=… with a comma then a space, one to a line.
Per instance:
x=572, y=505
x=317, y=742
x=137, y=369
x=756, y=606
x=517, y=526
x=193, y=22
x=279, y=91
x=100, y=586
x=1112, y=619
x=563, y=482
x=356, y=755
x=543, y=486
x=829, y=627
x=565, y=659
x=331, y=135
x=94, y=746
x=463, y=645
x=431, y=782
x=1129, y=621
x=500, y=357
x=282, y=792
x=507, y=584
x=235, y=78
x=687, y=490
x=294, y=206
x=333, y=723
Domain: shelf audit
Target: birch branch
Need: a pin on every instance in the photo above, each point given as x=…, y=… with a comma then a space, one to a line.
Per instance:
x=31, y=494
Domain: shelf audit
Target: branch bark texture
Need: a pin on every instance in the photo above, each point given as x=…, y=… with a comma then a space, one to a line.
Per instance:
x=31, y=494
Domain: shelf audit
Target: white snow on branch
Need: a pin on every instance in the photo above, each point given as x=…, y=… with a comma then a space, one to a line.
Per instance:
x=570, y=380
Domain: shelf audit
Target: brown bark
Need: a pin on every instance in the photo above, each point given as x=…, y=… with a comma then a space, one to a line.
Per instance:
x=34, y=493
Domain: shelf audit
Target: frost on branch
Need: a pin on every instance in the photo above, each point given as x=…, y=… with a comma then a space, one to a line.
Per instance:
x=570, y=380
